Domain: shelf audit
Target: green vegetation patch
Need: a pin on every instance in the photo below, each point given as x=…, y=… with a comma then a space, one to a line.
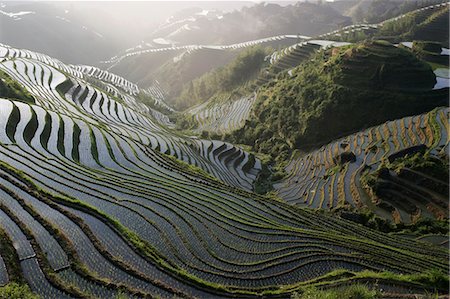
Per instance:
x=355, y=292
x=11, y=259
x=421, y=227
x=11, y=89
x=426, y=163
x=14, y=290
x=149, y=101
x=430, y=51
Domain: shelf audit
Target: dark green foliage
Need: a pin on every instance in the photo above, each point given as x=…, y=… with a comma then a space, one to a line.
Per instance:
x=424, y=163
x=76, y=142
x=418, y=26
x=426, y=226
x=185, y=121
x=348, y=292
x=344, y=157
x=227, y=79
x=11, y=259
x=30, y=128
x=427, y=46
x=435, y=27
x=16, y=291
x=379, y=65
x=338, y=92
x=263, y=182
x=13, y=121
x=434, y=278
x=64, y=87
x=45, y=136
x=430, y=51
x=149, y=101
x=11, y=89
x=429, y=24
x=408, y=182
x=423, y=226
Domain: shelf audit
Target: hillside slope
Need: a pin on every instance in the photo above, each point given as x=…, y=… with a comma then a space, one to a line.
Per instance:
x=429, y=23
x=120, y=111
x=94, y=208
x=318, y=180
x=45, y=28
x=340, y=91
x=147, y=66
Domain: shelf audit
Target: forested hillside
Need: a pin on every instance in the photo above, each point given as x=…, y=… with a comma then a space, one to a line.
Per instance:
x=338, y=92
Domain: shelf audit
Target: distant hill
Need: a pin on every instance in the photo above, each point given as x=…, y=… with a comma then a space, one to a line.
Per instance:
x=375, y=11
x=208, y=28
x=428, y=23
x=54, y=31
x=260, y=20
x=87, y=32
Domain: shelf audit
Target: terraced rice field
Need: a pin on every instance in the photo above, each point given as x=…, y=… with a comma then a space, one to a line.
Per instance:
x=114, y=81
x=315, y=182
x=222, y=117
x=105, y=76
x=124, y=116
x=229, y=115
x=421, y=14
x=111, y=63
x=92, y=206
x=293, y=55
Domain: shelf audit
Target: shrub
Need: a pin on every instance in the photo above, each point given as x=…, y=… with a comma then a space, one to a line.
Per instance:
x=16, y=291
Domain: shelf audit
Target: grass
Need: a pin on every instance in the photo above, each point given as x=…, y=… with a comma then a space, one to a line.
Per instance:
x=15, y=290
x=352, y=292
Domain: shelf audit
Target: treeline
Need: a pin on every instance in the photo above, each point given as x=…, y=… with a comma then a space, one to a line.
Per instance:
x=228, y=79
